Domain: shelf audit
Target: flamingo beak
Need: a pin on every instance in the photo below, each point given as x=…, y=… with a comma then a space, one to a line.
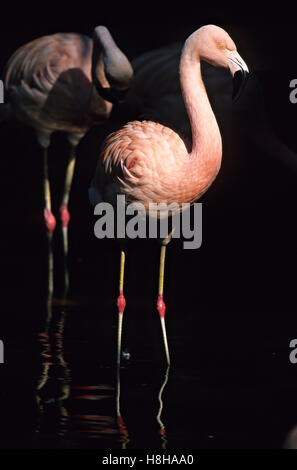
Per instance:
x=240, y=72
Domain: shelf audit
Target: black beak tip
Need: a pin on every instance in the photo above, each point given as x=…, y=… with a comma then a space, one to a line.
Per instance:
x=239, y=83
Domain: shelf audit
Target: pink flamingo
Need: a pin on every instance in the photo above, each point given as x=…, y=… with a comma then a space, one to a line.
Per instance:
x=150, y=163
x=64, y=82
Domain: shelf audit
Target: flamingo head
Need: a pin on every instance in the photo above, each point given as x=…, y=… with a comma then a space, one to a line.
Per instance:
x=215, y=46
x=111, y=70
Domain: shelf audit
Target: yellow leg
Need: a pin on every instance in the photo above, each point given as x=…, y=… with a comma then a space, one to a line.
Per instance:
x=69, y=176
x=160, y=302
x=50, y=222
x=121, y=303
x=65, y=216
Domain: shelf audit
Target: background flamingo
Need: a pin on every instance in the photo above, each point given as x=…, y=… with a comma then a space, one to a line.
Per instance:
x=64, y=82
x=150, y=163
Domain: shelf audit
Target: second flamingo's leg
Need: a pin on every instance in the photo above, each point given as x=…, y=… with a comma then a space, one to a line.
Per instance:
x=160, y=302
x=121, y=303
x=64, y=213
x=50, y=223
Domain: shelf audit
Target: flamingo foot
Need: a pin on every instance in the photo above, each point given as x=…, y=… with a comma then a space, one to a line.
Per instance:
x=65, y=216
x=161, y=307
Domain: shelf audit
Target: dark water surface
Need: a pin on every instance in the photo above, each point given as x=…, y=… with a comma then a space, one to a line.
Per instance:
x=216, y=398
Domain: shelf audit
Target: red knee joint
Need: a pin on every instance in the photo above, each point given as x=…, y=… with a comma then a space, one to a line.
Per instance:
x=50, y=220
x=161, y=307
x=121, y=303
x=65, y=216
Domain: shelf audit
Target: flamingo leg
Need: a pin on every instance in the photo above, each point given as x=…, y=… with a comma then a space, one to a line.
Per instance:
x=64, y=214
x=160, y=302
x=121, y=303
x=50, y=223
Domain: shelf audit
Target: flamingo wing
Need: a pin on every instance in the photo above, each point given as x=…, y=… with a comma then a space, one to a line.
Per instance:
x=144, y=161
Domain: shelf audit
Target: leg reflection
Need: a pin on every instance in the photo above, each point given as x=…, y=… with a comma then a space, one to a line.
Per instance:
x=54, y=387
x=124, y=435
x=160, y=398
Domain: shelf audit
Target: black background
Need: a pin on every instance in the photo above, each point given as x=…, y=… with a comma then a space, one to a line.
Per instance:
x=231, y=305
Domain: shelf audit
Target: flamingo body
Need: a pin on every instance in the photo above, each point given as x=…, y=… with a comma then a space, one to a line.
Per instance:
x=63, y=82
x=150, y=163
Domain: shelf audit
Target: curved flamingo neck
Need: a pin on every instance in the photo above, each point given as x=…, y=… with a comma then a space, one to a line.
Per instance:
x=206, y=137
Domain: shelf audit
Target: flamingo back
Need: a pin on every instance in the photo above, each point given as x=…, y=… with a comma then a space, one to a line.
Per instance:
x=48, y=81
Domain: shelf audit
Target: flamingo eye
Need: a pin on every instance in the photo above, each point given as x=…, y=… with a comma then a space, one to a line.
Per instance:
x=222, y=45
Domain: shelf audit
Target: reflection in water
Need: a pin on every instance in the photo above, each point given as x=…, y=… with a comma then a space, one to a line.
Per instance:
x=51, y=345
x=89, y=412
x=125, y=438
x=162, y=427
x=86, y=412
x=54, y=416
x=92, y=414
x=45, y=356
x=121, y=425
x=53, y=384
